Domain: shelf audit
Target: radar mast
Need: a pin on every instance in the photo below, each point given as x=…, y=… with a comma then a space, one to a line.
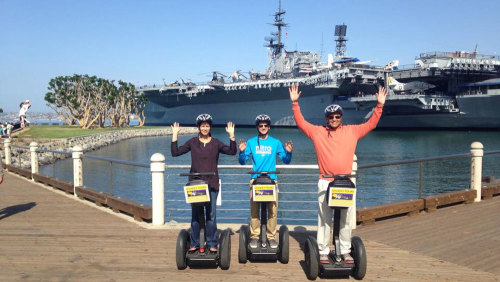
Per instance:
x=340, y=32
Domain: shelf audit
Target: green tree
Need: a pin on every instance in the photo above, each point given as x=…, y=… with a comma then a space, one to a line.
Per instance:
x=91, y=101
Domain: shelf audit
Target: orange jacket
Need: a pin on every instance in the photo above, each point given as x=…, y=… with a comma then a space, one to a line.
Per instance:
x=335, y=147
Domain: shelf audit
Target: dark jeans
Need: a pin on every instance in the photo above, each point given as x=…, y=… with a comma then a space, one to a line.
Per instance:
x=210, y=225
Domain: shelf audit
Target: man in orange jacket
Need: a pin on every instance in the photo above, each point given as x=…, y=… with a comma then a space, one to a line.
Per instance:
x=335, y=145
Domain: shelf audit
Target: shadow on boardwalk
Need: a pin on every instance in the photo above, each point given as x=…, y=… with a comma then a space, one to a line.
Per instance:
x=8, y=211
x=66, y=239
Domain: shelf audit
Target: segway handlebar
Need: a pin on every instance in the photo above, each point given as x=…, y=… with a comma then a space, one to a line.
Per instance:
x=263, y=172
x=340, y=176
x=197, y=174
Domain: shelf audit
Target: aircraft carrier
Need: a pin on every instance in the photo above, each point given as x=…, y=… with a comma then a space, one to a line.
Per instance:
x=240, y=98
x=441, y=90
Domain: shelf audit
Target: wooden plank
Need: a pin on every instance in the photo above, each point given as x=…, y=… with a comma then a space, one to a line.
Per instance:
x=97, y=197
x=487, y=192
x=435, y=201
x=139, y=211
x=62, y=185
x=42, y=178
x=21, y=171
x=369, y=215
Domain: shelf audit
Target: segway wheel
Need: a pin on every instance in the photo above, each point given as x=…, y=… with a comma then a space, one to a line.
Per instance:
x=358, y=252
x=284, y=244
x=181, y=248
x=243, y=244
x=225, y=250
x=311, y=258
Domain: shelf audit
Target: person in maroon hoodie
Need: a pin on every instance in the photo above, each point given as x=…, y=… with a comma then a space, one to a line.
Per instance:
x=205, y=152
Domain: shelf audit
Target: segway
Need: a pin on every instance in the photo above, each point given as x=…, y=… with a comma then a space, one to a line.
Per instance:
x=197, y=192
x=340, y=195
x=263, y=191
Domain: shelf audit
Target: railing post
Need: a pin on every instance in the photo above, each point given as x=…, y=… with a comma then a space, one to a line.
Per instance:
x=77, y=167
x=353, y=208
x=158, y=183
x=34, y=159
x=476, y=150
x=8, y=153
x=420, y=179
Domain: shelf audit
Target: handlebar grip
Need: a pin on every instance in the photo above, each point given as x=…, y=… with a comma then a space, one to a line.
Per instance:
x=197, y=174
x=263, y=172
x=340, y=176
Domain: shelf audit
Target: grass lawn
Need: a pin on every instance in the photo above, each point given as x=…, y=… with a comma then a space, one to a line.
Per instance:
x=65, y=131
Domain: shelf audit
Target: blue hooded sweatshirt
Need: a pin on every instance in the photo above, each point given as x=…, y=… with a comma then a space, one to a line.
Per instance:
x=263, y=153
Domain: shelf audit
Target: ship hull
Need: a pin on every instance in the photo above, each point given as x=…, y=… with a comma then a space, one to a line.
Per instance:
x=241, y=107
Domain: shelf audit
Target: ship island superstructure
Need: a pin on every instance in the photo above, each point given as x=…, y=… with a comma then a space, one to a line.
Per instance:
x=240, y=100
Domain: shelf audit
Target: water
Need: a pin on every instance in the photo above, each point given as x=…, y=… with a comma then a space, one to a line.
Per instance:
x=375, y=185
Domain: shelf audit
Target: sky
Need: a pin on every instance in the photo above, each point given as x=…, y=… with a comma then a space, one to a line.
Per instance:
x=146, y=42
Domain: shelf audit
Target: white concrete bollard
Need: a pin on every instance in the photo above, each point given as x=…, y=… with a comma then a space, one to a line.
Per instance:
x=158, y=184
x=77, y=167
x=34, y=159
x=353, y=208
x=476, y=167
x=8, y=154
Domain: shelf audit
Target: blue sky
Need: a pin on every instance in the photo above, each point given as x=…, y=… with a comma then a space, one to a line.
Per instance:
x=144, y=42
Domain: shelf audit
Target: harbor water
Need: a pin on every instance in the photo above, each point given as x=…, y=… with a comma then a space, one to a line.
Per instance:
x=375, y=185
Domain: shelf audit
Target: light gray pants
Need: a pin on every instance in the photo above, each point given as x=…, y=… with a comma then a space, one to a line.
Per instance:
x=325, y=221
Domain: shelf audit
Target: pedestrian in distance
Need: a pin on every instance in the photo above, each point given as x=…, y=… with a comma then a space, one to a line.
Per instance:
x=23, y=108
x=263, y=149
x=205, y=151
x=335, y=145
x=1, y=172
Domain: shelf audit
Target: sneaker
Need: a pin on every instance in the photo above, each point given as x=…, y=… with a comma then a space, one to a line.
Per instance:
x=348, y=259
x=323, y=258
x=253, y=243
x=273, y=244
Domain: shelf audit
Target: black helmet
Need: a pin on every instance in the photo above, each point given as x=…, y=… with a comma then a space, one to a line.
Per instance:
x=203, y=118
x=333, y=108
x=263, y=118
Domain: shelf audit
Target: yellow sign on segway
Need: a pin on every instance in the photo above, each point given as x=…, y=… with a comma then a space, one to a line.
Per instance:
x=264, y=193
x=197, y=193
x=341, y=197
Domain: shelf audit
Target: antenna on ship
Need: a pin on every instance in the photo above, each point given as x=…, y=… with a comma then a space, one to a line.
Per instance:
x=340, y=32
x=275, y=41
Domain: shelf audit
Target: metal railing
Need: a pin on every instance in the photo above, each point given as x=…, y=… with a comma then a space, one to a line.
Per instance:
x=291, y=176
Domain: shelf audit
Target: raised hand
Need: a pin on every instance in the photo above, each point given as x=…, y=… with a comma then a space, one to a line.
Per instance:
x=242, y=145
x=294, y=93
x=230, y=130
x=176, y=128
x=289, y=146
x=381, y=95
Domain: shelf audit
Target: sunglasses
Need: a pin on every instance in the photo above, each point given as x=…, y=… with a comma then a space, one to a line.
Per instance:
x=263, y=125
x=334, y=116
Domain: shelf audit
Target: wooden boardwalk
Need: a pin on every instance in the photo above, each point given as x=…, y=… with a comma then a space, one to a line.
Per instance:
x=45, y=235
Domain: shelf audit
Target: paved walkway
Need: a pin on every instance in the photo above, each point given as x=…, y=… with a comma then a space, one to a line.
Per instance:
x=45, y=235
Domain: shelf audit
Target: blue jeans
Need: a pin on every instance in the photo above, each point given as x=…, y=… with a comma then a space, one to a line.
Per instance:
x=210, y=222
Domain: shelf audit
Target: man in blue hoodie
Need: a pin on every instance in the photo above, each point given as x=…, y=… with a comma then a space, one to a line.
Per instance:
x=263, y=150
